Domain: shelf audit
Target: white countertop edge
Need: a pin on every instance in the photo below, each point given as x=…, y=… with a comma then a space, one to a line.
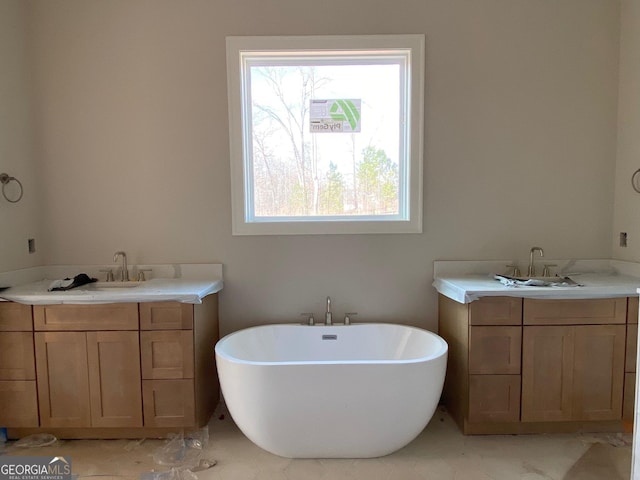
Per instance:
x=448, y=288
x=196, y=292
x=466, y=281
x=185, y=283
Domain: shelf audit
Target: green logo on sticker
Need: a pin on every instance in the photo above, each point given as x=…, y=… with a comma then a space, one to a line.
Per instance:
x=342, y=110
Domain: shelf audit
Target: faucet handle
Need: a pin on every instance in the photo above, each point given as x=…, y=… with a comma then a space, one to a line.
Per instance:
x=310, y=319
x=141, y=277
x=109, y=272
x=515, y=272
x=546, y=271
x=347, y=319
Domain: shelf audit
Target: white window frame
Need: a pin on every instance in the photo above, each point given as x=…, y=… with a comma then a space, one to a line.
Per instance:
x=242, y=222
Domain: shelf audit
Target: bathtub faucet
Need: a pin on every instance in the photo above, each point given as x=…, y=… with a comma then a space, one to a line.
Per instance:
x=328, y=314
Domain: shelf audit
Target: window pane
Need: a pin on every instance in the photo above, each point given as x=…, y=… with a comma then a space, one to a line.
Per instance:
x=297, y=173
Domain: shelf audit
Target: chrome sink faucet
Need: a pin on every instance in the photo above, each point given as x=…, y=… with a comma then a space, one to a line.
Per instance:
x=124, y=275
x=531, y=272
x=327, y=317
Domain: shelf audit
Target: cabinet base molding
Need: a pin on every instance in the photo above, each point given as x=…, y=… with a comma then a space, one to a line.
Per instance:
x=515, y=428
x=101, y=433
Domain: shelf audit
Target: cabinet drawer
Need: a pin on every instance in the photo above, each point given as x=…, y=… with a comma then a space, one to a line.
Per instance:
x=496, y=311
x=495, y=350
x=18, y=404
x=168, y=403
x=166, y=316
x=15, y=317
x=494, y=398
x=166, y=354
x=632, y=310
x=112, y=316
x=575, y=312
x=17, y=359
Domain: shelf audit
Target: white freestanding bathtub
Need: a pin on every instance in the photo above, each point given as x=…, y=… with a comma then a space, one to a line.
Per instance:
x=342, y=391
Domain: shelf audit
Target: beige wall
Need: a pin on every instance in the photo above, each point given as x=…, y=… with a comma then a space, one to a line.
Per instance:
x=520, y=143
x=19, y=221
x=627, y=201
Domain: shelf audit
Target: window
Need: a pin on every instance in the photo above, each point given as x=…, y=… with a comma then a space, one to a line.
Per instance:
x=326, y=134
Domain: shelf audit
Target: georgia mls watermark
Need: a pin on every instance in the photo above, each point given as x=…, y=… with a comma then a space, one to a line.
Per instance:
x=35, y=468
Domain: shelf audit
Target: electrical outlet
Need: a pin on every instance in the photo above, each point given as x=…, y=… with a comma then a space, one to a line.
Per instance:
x=31, y=243
x=623, y=239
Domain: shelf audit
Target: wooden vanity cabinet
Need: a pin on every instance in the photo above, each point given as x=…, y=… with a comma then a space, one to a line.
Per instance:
x=91, y=377
x=18, y=393
x=179, y=378
x=573, y=359
x=482, y=384
x=167, y=343
x=124, y=370
x=495, y=339
x=527, y=365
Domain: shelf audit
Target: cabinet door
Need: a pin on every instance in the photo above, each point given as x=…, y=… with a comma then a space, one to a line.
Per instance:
x=168, y=403
x=629, y=399
x=114, y=379
x=167, y=354
x=547, y=373
x=18, y=404
x=62, y=378
x=598, y=372
x=573, y=373
x=495, y=350
x=17, y=360
x=494, y=398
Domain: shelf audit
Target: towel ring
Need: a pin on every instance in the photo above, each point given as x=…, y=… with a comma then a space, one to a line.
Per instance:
x=5, y=180
x=634, y=182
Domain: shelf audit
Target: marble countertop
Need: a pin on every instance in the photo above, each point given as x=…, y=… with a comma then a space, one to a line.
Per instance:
x=180, y=283
x=598, y=279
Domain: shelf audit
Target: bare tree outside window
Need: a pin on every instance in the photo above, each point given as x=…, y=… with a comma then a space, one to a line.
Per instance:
x=297, y=172
x=326, y=134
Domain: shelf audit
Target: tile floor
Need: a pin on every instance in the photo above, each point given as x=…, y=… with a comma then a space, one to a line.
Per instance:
x=440, y=452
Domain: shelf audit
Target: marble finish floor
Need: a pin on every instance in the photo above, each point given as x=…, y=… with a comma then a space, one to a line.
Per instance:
x=440, y=452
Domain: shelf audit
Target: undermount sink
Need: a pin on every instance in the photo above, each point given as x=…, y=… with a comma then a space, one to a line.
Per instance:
x=113, y=285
